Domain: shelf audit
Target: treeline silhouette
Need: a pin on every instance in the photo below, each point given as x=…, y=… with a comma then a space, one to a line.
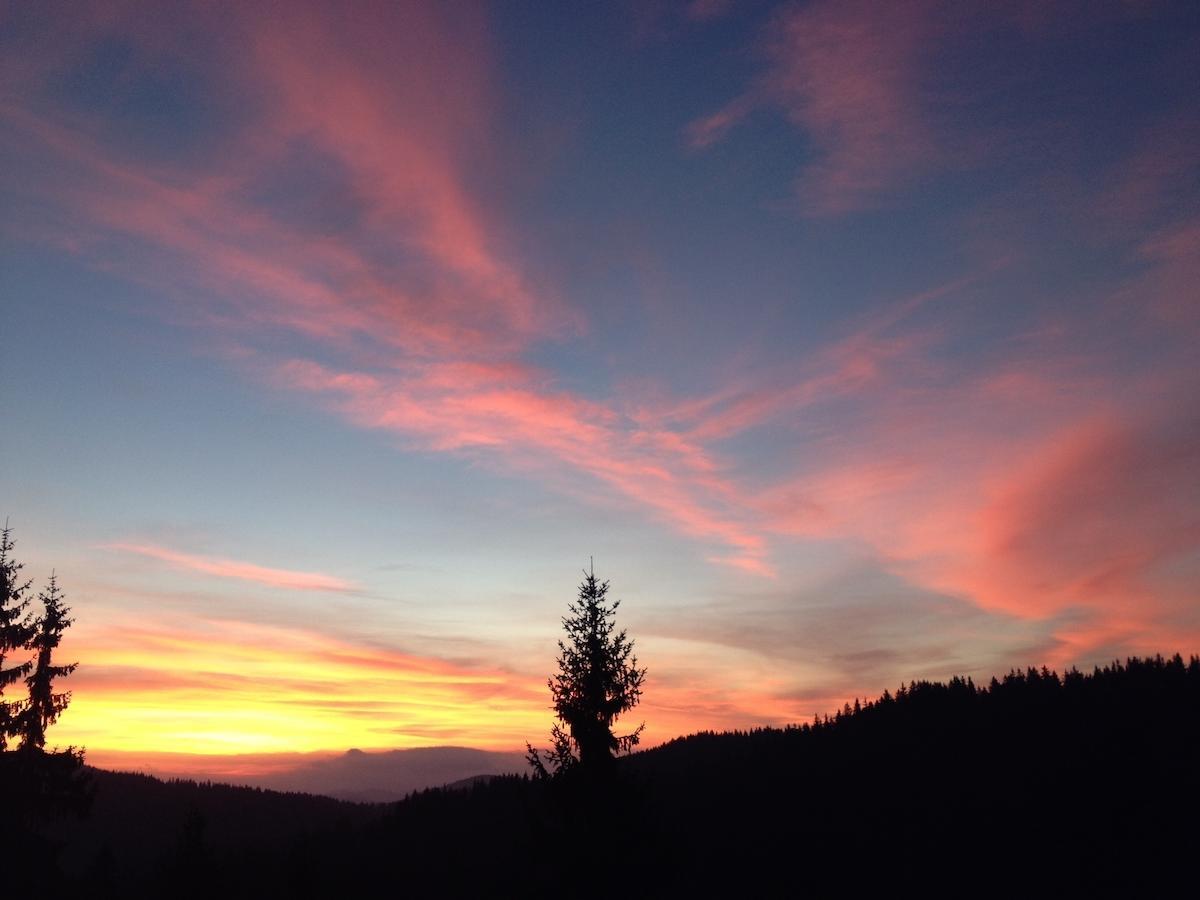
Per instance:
x=1031, y=784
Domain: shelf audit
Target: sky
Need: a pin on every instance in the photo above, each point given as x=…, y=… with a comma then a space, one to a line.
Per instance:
x=856, y=343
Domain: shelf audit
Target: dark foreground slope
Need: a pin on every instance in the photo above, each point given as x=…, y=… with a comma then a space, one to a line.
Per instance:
x=140, y=829
x=1032, y=784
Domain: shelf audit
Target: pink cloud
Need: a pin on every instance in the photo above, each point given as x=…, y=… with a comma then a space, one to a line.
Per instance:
x=404, y=139
x=241, y=571
x=710, y=129
x=875, y=95
x=1154, y=176
x=849, y=74
x=401, y=119
x=1086, y=520
x=880, y=348
x=1168, y=290
x=530, y=428
x=1051, y=506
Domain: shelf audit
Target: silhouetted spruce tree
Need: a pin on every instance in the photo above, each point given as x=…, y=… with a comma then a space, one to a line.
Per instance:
x=45, y=705
x=598, y=679
x=35, y=785
x=15, y=633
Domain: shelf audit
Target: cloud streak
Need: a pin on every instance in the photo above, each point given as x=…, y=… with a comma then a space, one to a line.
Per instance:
x=849, y=74
x=240, y=571
x=884, y=96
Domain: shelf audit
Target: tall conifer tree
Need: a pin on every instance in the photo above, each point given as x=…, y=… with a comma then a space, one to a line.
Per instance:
x=45, y=705
x=598, y=679
x=16, y=632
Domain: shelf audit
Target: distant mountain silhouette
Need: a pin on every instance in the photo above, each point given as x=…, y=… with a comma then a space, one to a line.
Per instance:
x=1032, y=784
x=389, y=775
x=365, y=776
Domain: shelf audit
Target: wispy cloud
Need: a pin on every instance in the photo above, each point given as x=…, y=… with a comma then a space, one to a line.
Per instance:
x=884, y=94
x=241, y=571
x=516, y=422
x=849, y=74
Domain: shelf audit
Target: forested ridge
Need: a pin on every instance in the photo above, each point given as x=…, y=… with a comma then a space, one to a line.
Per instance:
x=1032, y=782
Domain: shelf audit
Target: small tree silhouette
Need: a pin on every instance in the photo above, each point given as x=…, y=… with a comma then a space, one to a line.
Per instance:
x=598, y=679
x=44, y=705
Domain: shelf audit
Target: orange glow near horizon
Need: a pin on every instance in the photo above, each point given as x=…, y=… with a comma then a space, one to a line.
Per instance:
x=231, y=688
x=254, y=697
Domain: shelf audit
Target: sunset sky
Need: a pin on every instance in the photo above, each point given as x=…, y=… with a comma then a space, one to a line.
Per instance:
x=857, y=342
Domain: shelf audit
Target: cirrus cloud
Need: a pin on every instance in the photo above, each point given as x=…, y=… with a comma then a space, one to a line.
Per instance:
x=240, y=571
